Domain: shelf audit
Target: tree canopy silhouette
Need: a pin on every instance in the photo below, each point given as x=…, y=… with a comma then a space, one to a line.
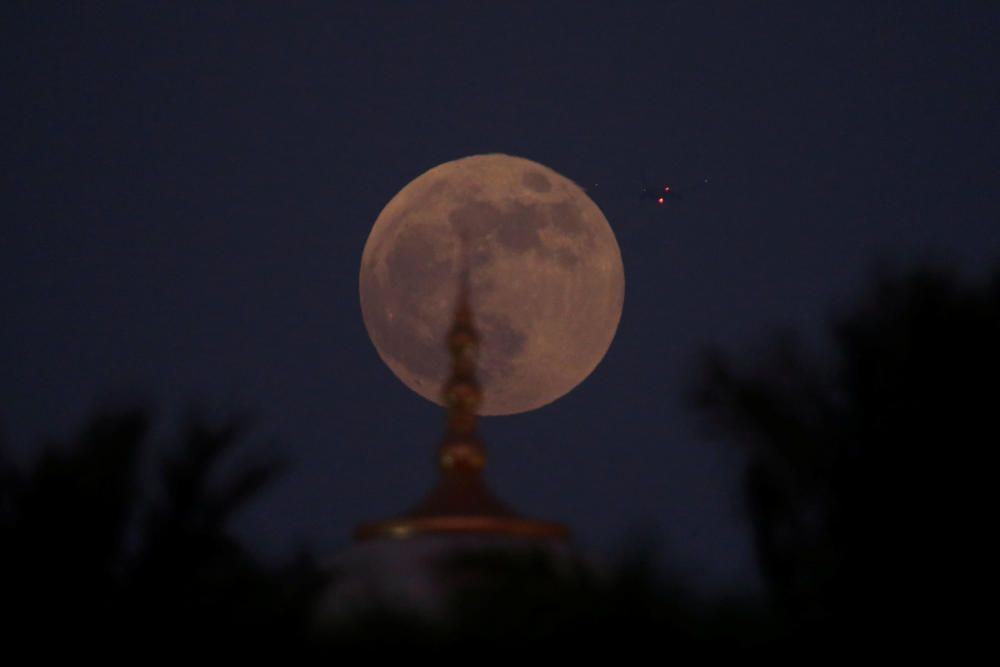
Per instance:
x=91, y=552
x=862, y=461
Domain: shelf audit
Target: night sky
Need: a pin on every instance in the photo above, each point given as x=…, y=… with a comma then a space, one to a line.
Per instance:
x=187, y=189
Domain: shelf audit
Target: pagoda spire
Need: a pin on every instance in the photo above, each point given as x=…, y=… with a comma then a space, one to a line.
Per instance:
x=461, y=502
x=462, y=449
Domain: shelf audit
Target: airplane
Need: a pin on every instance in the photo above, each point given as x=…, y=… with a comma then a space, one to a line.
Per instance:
x=661, y=194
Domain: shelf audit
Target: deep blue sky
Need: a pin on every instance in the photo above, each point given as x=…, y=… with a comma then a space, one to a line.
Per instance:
x=187, y=188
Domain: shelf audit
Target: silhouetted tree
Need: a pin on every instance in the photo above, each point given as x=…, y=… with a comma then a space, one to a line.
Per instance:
x=89, y=552
x=862, y=466
x=535, y=600
x=523, y=599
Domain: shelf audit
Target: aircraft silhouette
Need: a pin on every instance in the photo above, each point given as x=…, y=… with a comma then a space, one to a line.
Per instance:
x=661, y=194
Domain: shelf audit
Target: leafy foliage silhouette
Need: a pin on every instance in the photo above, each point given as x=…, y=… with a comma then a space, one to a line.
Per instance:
x=87, y=555
x=535, y=601
x=860, y=462
x=515, y=599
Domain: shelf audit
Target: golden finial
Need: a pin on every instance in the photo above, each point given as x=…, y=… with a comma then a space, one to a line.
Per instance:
x=461, y=501
x=461, y=449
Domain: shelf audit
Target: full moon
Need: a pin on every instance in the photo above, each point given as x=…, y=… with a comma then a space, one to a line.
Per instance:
x=546, y=282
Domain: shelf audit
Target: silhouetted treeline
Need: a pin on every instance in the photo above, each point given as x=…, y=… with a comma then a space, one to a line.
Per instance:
x=90, y=554
x=865, y=463
x=534, y=599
